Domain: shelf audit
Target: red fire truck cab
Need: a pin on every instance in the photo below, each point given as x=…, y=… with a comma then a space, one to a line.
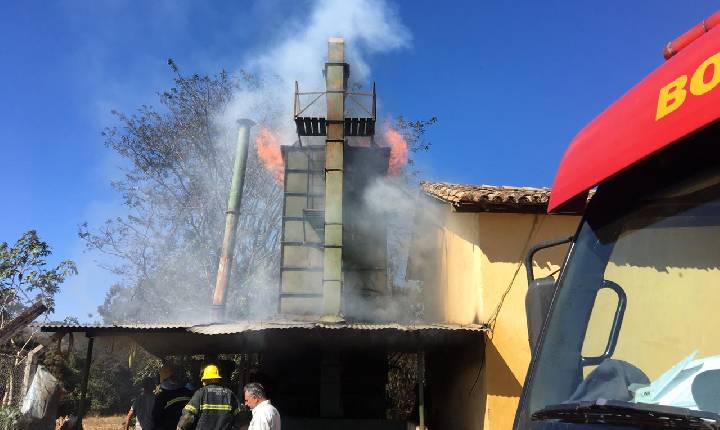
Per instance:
x=628, y=336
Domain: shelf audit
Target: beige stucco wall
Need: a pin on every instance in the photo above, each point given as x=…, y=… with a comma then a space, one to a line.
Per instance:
x=478, y=259
x=672, y=298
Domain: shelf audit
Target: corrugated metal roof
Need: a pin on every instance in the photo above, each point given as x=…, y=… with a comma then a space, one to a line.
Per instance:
x=49, y=327
x=279, y=335
x=489, y=198
x=245, y=326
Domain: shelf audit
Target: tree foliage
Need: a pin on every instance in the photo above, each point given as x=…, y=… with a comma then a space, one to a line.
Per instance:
x=415, y=133
x=25, y=278
x=112, y=383
x=175, y=189
x=179, y=158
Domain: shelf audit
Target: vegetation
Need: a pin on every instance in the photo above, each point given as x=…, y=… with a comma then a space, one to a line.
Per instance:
x=9, y=417
x=165, y=249
x=25, y=278
x=179, y=158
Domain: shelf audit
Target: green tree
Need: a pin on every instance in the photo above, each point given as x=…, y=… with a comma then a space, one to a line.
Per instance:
x=112, y=383
x=25, y=278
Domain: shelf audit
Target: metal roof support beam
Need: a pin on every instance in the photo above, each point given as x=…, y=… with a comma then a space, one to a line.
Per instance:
x=421, y=389
x=84, y=383
x=331, y=385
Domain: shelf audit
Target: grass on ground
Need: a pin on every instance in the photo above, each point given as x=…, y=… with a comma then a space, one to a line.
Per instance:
x=114, y=422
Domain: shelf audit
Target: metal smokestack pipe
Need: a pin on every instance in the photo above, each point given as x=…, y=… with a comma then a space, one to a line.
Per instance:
x=336, y=76
x=217, y=311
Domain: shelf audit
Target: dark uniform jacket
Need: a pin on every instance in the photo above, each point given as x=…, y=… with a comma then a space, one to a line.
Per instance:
x=169, y=404
x=211, y=408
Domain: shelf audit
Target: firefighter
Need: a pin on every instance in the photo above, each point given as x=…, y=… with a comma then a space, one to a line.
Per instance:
x=170, y=400
x=212, y=407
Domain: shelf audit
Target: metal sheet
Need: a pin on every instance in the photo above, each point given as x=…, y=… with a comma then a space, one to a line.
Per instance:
x=279, y=335
x=244, y=326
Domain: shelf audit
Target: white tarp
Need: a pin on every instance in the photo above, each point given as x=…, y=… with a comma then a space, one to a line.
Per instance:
x=40, y=404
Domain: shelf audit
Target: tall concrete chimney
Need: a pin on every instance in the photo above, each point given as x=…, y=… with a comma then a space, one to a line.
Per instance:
x=336, y=74
x=333, y=259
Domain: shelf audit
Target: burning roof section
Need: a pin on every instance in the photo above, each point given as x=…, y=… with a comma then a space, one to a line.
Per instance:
x=489, y=198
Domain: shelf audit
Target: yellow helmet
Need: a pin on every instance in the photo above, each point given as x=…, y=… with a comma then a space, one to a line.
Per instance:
x=165, y=373
x=211, y=372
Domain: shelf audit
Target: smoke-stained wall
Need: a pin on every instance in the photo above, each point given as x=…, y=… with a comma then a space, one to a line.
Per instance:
x=364, y=258
x=365, y=235
x=301, y=260
x=334, y=251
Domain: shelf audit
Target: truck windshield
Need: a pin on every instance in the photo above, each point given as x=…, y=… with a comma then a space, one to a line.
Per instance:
x=637, y=314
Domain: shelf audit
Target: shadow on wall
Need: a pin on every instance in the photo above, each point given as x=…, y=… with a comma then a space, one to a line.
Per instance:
x=507, y=237
x=501, y=381
x=668, y=248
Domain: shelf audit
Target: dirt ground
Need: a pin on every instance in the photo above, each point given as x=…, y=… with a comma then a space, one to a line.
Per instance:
x=103, y=423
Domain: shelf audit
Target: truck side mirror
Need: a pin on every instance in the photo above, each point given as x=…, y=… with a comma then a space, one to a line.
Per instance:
x=537, y=305
x=540, y=292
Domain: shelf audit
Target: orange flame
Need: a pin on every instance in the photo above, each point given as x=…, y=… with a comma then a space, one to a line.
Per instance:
x=268, y=150
x=398, y=150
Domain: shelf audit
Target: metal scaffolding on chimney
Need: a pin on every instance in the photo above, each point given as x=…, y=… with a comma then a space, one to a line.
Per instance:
x=328, y=250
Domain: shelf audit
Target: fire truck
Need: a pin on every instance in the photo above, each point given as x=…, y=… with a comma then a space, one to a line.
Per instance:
x=628, y=336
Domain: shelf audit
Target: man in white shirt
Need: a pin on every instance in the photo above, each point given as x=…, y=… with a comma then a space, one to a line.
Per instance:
x=264, y=415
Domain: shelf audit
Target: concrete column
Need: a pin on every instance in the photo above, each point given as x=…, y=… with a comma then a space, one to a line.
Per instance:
x=331, y=386
x=336, y=73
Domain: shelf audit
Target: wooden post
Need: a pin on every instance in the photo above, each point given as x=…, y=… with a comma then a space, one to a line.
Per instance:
x=85, y=377
x=31, y=362
x=421, y=389
x=21, y=321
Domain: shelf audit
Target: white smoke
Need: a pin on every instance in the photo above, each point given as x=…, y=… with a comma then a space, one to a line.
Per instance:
x=410, y=221
x=368, y=27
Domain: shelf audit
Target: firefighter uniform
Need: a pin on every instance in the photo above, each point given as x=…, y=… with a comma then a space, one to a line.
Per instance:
x=169, y=402
x=212, y=407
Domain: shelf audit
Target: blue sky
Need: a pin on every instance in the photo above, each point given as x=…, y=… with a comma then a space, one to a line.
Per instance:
x=510, y=81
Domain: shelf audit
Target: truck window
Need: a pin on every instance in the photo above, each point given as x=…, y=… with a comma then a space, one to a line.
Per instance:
x=664, y=255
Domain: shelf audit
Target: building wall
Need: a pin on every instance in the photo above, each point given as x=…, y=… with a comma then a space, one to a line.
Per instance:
x=476, y=264
x=672, y=296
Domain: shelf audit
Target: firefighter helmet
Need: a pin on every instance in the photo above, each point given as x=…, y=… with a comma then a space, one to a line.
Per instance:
x=165, y=373
x=211, y=372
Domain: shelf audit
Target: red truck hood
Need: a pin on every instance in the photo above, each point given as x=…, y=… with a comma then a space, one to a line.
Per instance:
x=653, y=115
